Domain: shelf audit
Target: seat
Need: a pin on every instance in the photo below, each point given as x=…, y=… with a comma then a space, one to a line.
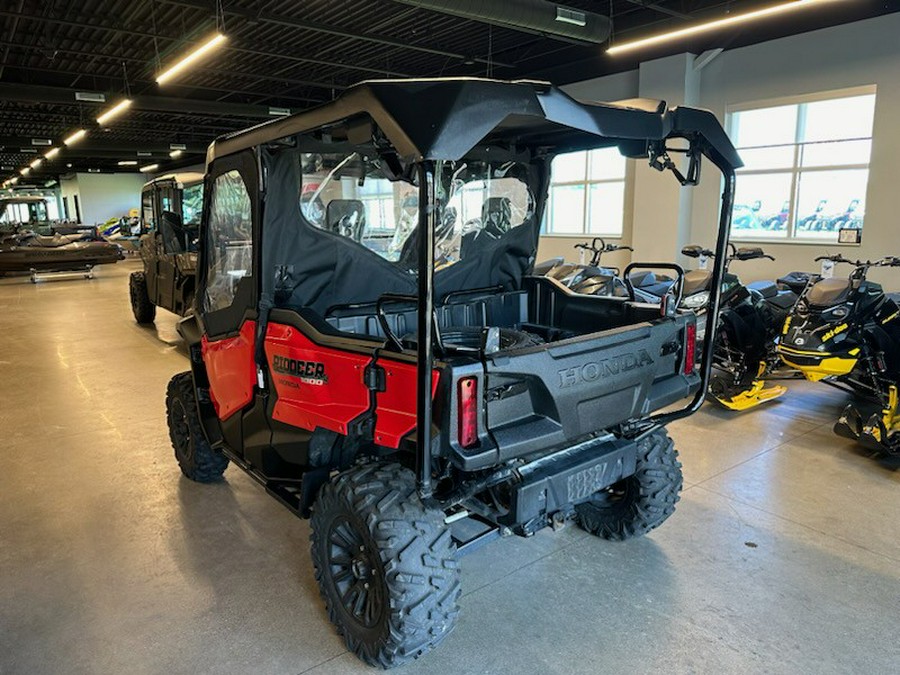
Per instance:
x=496, y=215
x=767, y=289
x=346, y=217
x=696, y=280
x=783, y=300
x=829, y=292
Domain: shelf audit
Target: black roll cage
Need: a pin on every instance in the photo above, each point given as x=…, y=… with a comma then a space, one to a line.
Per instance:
x=425, y=311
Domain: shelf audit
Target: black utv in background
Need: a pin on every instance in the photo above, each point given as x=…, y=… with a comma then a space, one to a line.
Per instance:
x=170, y=212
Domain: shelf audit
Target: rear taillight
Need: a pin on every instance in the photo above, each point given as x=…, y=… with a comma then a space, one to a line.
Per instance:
x=690, y=347
x=467, y=396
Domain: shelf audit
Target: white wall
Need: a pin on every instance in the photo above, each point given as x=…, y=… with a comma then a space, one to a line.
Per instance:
x=107, y=195
x=856, y=54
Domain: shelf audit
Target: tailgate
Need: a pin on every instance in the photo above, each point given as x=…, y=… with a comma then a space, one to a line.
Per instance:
x=542, y=397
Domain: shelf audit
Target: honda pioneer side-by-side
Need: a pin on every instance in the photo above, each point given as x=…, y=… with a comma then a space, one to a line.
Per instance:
x=370, y=345
x=171, y=206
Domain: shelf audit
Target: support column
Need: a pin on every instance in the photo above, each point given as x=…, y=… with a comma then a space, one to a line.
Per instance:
x=662, y=208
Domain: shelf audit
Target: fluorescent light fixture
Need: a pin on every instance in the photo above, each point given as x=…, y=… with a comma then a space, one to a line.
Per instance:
x=714, y=25
x=149, y=168
x=50, y=154
x=128, y=162
x=41, y=141
x=75, y=137
x=177, y=146
x=25, y=171
x=117, y=109
x=279, y=112
x=191, y=58
x=36, y=163
x=175, y=154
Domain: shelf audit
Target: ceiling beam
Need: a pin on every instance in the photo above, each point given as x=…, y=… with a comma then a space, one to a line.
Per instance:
x=31, y=93
x=90, y=148
x=215, y=71
x=16, y=16
x=662, y=10
x=328, y=29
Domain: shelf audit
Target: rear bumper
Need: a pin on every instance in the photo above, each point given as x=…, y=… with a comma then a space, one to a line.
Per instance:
x=558, y=482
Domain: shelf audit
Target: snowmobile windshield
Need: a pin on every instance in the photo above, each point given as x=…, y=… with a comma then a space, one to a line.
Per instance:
x=351, y=195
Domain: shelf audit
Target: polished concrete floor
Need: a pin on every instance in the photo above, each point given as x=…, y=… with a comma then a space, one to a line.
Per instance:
x=783, y=555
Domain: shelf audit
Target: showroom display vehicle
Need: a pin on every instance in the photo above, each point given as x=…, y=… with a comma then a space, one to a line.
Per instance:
x=846, y=332
x=745, y=360
x=371, y=346
x=587, y=276
x=170, y=214
x=27, y=251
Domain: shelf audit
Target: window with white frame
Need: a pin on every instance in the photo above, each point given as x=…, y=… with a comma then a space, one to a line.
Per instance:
x=806, y=167
x=587, y=193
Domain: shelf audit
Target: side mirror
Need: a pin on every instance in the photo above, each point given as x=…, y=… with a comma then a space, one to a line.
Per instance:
x=692, y=251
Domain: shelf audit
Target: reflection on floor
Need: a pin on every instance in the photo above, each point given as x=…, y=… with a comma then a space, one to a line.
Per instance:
x=783, y=555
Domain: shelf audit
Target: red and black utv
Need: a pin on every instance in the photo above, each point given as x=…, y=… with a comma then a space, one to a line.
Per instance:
x=368, y=342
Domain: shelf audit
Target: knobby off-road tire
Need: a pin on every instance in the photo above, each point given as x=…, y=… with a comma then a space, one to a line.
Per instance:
x=385, y=565
x=637, y=504
x=197, y=459
x=144, y=310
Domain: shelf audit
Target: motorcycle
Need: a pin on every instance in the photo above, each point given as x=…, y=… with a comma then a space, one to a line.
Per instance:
x=751, y=316
x=846, y=333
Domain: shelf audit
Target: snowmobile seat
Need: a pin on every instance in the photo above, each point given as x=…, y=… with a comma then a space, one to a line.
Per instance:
x=696, y=280
x=783, y=300
x=767, y=289
x=829, y=292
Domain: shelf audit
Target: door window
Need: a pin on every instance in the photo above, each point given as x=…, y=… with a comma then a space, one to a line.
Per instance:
x=147, y=208
x=229, y=240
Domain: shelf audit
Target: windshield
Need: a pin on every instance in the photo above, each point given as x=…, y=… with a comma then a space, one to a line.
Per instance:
x=192, y=205
x=353, y=196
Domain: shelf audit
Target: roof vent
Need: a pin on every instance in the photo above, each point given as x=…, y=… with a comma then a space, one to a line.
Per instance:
x=572, y=16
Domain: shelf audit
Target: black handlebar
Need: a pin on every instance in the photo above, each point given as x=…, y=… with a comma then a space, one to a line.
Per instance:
x=887, y=261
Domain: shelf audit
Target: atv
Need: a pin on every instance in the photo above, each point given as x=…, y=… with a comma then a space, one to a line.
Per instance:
x=846, y=333
x=171, y=206
x=417, y=401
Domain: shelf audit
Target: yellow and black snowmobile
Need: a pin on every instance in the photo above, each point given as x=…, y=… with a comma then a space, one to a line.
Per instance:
x=750, y=319
x=846, y=332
